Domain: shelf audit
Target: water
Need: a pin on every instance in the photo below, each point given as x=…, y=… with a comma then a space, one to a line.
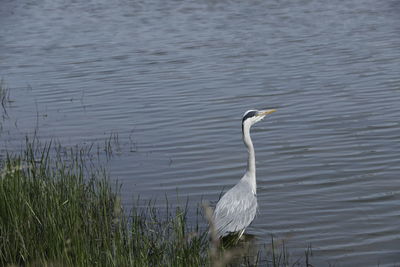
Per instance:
x=172, y=79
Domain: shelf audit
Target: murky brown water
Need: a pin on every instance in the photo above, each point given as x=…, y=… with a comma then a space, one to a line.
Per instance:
x=173, y=78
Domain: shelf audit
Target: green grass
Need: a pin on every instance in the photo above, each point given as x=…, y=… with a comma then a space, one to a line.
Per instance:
x=56, y=210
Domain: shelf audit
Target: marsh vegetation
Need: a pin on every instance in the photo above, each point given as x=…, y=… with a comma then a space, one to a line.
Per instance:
x=56, y=208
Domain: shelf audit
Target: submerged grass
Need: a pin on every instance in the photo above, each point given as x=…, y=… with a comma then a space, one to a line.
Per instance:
x=57, y=211
x=4, y=95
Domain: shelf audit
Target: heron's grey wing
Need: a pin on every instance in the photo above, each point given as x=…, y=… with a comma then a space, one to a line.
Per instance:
x=235, y=210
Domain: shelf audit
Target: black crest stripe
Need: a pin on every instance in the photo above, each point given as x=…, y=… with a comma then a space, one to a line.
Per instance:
x=249, y=115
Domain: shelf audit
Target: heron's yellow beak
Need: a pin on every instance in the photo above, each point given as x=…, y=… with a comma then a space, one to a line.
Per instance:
x=266, y=112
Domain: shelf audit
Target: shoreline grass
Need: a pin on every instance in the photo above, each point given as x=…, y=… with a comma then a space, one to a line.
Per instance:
x=53, y=212
x=57, y=211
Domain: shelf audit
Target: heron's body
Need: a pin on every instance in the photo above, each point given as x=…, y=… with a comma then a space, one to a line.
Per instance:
x=238, y=206
x=236, y=209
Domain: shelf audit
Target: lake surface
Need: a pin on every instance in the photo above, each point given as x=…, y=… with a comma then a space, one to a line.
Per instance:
x=172, y=79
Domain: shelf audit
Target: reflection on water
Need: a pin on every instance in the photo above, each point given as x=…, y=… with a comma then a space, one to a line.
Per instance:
x=173, y=78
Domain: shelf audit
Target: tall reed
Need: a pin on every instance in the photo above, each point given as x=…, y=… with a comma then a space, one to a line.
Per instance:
x=53, y=211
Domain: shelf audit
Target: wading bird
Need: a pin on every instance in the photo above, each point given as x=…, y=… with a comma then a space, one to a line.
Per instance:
x=238, y=206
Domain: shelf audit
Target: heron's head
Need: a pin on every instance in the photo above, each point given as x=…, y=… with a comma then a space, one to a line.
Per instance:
x=251, y=117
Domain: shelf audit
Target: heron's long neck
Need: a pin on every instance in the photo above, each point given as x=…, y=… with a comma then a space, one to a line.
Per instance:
x=251, y=161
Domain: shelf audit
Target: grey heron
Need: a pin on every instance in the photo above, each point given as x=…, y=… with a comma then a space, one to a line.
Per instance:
x=238, y=206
